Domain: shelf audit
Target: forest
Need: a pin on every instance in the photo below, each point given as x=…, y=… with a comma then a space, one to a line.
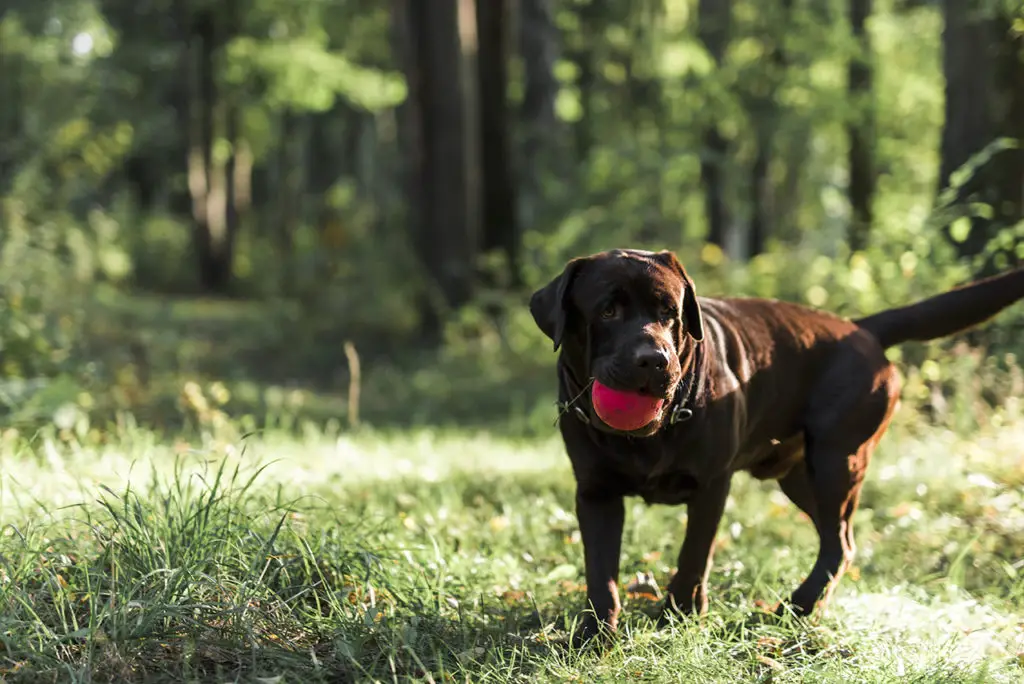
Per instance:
x=352, y=171
x=236, y=233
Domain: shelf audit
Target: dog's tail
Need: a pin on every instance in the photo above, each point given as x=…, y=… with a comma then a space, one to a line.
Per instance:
x=946, y=313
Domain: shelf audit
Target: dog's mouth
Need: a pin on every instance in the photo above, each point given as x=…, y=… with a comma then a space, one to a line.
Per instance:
x=627, y=411
x=658, y=386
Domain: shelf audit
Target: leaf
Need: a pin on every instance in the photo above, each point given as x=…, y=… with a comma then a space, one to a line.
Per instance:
x=644, y=584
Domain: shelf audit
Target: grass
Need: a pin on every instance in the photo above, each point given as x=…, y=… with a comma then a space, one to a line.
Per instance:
x=456, y=557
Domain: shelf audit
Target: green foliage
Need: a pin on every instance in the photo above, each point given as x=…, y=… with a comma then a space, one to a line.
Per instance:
x=424, y=555
x=36, y=321
x=301, y=74
x=324, y=254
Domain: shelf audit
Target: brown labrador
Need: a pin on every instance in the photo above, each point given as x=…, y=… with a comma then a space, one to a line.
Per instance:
x=775, y=389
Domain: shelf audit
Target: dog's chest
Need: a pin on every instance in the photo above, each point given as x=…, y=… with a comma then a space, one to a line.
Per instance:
x=671, y=488
x=662, y=475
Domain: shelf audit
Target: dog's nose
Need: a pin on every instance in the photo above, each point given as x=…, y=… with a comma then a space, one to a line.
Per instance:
x=651, y=358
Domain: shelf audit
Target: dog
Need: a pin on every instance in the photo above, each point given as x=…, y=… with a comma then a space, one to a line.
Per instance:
x=776, y=389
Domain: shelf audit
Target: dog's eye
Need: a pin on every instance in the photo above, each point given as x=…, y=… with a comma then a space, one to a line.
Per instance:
x=667, y=311
x=609, y=311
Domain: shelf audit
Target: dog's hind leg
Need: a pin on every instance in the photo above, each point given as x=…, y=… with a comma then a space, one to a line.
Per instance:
x=827, y=485
x=829, y=496
x=797, y=486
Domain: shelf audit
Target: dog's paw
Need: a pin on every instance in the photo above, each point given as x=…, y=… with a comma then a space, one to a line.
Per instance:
x=591, y=632
x=765, y=613
x=675, y=610
x=788, y=608
x=665, y=618
x=668, y=614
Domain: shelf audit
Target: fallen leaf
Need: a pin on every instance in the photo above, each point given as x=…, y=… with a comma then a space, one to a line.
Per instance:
x=644, y=583
x=765, y=660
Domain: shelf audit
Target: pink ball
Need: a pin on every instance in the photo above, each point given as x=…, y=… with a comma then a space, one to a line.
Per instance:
x=624, y=410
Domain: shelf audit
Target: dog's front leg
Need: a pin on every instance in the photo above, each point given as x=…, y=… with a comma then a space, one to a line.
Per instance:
x=687, y=592
x=601, y=520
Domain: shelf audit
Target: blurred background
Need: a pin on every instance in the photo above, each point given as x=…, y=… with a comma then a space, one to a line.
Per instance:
x=222, y=215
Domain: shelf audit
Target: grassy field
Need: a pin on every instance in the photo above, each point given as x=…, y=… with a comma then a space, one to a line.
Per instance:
x=456, y=557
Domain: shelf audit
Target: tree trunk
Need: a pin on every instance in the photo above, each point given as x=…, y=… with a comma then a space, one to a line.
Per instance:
x=325, y=159
x=761, y=191
x=410, y=134
x=286, y=192
x=500, y=229
x=433, y=137
x=712, y=175
x=1009, y=76
x=466, y=24
x=13, y=112
x=714, y=19
x=409, y=120
x=236, y=175
x=538, y=47
x=583, y=56
x=214, y=225
x=767, y=118
x=861, y=130
x=983, y=61
x=970, y=123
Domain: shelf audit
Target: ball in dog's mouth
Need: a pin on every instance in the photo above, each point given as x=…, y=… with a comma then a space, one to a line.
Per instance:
x=624, y=411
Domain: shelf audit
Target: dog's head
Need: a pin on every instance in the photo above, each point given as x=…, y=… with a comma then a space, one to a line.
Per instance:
x=628, y=318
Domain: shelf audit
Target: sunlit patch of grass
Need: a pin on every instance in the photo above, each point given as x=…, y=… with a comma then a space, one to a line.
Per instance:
x=453, y=557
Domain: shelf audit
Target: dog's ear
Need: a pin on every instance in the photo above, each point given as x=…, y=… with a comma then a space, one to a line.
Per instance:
x=549, y=305
x=692, y=316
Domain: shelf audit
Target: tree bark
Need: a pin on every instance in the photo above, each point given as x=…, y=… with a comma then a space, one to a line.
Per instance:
x=714, y=19
x=433, y=137
x=538, y=47
x=410, y=119
x=712, y=175
x=767, y=114
x=1009, y=75
x=210, y=185
x=861, y=130
x=13, y=113
x=286, y=193
x=583, y=56
x=500, y=228
x=970, y=122
x=761, y=191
